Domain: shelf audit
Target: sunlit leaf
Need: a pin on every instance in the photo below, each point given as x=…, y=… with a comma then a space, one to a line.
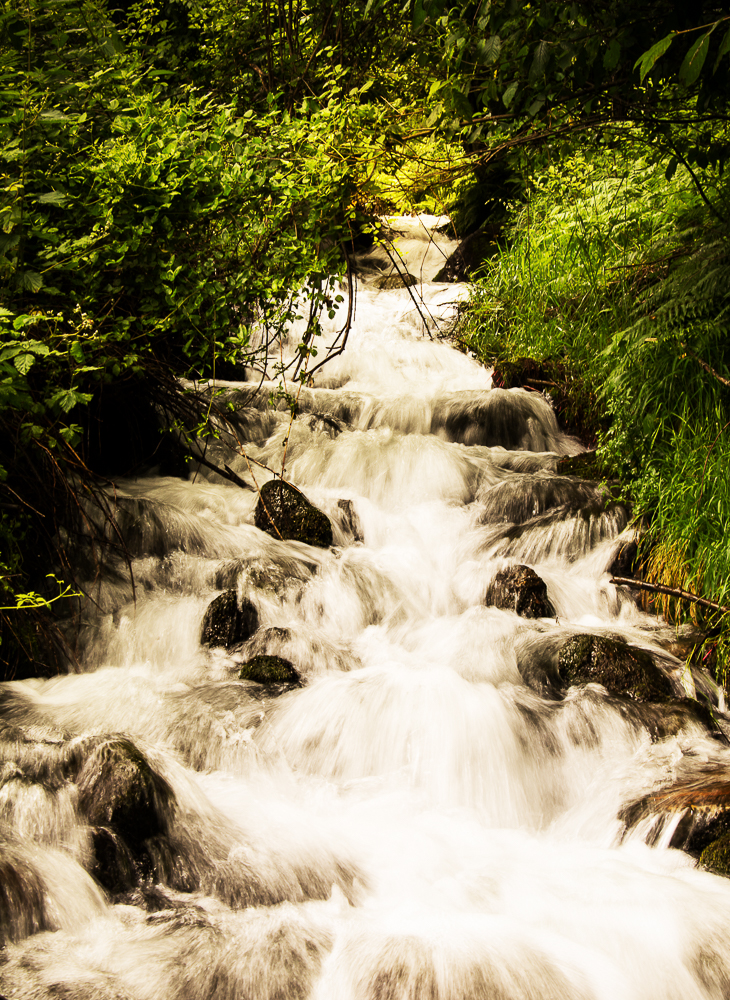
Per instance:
x=648, y=60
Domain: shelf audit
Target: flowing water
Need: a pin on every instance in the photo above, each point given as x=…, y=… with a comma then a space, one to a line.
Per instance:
x=425, y=817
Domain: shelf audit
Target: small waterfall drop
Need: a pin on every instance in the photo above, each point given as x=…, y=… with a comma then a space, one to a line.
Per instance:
x=427, y=813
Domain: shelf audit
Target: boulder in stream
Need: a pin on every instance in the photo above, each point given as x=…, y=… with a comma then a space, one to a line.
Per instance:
x=269, y=670
x=225, y=624
x=284, y=512
x=620, y=668
x=520, y=589
x=697, y=806
x=119, y=789
x=127, y=804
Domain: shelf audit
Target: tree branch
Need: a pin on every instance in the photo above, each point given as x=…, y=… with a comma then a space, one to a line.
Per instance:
x=659, y=588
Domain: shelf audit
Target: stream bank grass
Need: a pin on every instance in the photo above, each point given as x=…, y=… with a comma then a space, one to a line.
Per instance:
x=623, y=277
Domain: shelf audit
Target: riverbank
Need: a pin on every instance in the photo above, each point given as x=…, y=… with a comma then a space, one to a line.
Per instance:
x=611, y=280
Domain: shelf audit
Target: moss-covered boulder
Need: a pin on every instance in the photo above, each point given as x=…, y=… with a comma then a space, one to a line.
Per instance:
x=284, y=512
x=520, y=589
x=716, y=856
x=269, y=670
x=620, y=668
x=225, y=624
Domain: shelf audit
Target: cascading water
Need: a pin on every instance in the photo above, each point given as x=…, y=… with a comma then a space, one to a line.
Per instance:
x=426, y=815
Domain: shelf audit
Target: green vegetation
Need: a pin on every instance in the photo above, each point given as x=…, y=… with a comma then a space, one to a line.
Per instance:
x=172, y=172
x=618, y=278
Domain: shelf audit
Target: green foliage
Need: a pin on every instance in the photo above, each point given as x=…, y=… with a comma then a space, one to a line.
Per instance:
x=626, y=275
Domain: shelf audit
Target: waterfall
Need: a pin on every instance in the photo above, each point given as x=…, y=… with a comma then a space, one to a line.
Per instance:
x=428, y=811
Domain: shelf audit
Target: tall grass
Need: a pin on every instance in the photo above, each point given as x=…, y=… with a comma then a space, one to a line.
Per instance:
x=625, y=276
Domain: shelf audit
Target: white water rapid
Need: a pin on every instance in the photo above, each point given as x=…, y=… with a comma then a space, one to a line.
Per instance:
x=426, y=817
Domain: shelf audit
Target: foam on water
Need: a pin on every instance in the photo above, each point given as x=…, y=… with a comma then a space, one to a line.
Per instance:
x=427, y=815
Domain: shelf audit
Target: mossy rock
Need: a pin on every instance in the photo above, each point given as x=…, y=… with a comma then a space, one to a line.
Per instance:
x=283, y=512
x=269, y=670
x=520, y=589
x=225, y=624
x=716, y=856
x=620, y=668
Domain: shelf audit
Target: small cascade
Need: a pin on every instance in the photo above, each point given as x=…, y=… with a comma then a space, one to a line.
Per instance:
x=468, y=765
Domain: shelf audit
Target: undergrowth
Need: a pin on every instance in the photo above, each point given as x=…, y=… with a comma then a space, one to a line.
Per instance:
x=616, y=281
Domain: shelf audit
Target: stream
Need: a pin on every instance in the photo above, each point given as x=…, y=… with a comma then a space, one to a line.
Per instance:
x=428, y=815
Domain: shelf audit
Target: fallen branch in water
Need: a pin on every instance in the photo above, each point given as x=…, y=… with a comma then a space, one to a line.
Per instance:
x=659, y=588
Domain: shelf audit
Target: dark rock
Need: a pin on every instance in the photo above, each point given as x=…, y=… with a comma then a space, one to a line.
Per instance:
x=472, y=251
x=716, y=856
x=350, y=521
x=674, y=716
x=620, y=668
x=225, y=624
x=697, y=805
x=284, y=512
x=24, y=903
x=519, y=499
x=118, y=789
x=400, y=279
x=269, y=670
x=624, y=562
x=520, y=589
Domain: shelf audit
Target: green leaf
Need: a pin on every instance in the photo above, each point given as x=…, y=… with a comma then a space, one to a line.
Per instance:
x=539, y=62
x=24, y=363
x=31, y=281
x=723, y=50
x=671, y=168
x=509, y=95
x=53, y=198
x=647, y=61
x=695, y=60
x=612, y=56
x=489, y=50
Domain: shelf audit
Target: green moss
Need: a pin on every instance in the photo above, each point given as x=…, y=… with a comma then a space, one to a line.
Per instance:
x=284, y=512
x=716, y=857
x=621, y=669
x=269, y=670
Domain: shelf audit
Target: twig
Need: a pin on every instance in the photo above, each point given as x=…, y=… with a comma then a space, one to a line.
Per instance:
x=707, y=368
x=659, y=588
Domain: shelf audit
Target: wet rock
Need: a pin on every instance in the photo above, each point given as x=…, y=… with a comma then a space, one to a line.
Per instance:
x=119, y=790
x=400, y=279
x=225, y=624
x=349, y=520
x=624, y=562
x=521, y=498
x=620, y=668
x=284, y=512
x=23, y=898
x=520, y=589
x=716, y=856
x=679, y=714
x=697, y=805
x=269, y=670
x=127, y=804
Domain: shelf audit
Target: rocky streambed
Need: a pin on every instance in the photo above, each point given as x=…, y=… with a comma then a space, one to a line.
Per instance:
x=373, y=722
